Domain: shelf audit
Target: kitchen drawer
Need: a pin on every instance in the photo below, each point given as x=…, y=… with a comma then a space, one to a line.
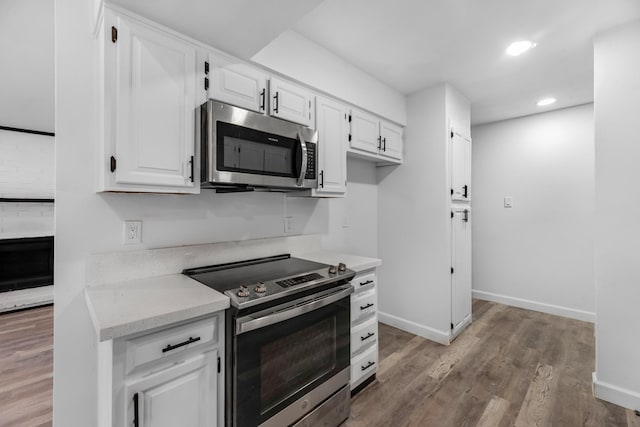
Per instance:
x=170, y=341
x=364, y=365
x=364, y=282
x=363, y=305
x=364, y=335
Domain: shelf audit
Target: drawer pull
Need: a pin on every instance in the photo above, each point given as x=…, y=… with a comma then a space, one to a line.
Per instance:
x=182, y=344
x=366, y=283
x=364, y=307
x=370, y=364
x=369, y=335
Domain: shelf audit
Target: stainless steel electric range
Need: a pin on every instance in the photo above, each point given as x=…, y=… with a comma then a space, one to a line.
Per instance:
x=287, y=340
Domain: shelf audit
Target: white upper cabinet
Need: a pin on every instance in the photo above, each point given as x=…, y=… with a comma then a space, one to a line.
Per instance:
x=391, y=145
x=291, y=102
x=375, y=138
x=150, y=105
x=460, y=166
x=235, y=82
x=332, y=126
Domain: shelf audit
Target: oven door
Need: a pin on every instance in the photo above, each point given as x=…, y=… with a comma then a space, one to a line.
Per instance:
x=290, y=358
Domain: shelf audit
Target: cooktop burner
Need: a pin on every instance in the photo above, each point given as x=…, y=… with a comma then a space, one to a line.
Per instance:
x=258, y=281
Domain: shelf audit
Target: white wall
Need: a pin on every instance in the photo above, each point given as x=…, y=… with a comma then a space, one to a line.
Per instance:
x=88, y=223
x=617, y=142
x=538, y=254
x=414, y=219
x=297, y=57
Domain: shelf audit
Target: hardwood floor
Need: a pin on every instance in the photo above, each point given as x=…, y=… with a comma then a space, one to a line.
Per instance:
x=26, y=367
x=511, y=367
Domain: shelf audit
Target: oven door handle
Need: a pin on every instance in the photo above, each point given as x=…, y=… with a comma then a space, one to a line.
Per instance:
x=303, y=166
x=250, y=323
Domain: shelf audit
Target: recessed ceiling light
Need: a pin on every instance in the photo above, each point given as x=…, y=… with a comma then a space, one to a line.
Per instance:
x=518, y=48
x=546, y=101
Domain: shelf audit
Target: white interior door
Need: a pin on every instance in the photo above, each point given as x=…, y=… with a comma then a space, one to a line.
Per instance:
x=460, y=166
x=461, y=263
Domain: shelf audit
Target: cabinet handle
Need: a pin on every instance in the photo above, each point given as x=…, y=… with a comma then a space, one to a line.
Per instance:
x=191, y=161
x=384, y=146
x=369, y=335
x=366, y=283
x=364, y=307
x=275, y=108
x=322, y=178
x=465, y=215
x=379, y=142
x=170, y=347
x=136, y=422
x=262, y=97
x=370, y=364
x=465, y=189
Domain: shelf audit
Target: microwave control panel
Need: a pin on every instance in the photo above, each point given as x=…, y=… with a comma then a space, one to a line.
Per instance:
x=311, y=161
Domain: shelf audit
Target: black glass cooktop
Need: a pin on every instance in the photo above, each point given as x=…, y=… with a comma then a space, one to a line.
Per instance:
x=224, y=277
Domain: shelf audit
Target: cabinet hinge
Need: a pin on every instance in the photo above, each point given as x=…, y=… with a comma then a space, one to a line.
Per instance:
x=113, y=164
x=452, y=191
x=218, y=364
x=114, y=34
x=206, y=83
x=451, y=134
x=349, y=118
x=452, y=326
x=206, y=67
x=349, y=137
x=451, y=214
x=451, y=270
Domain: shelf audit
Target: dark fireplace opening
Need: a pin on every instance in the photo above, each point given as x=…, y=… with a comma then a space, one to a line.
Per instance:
x=26, y=263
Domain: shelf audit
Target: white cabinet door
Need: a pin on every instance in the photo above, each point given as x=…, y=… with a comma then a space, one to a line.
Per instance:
x=391, y=140
x=237, y=83
x=184, y=395
x=291, y=102
x=365, y=132
x=461, y=264
x=460, y=166
x=331, y=123
x=152, y=139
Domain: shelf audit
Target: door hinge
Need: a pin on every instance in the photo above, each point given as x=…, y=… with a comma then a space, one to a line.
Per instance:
x=218, y=364
x=206, y=67
x=451, y=270
x=114, y=34
x=113, y=164
x=206, y=83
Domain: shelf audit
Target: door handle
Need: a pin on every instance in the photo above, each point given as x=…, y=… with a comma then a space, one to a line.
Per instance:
x=322, y=178
x=465, y=190
x=303, y=166
x=275, y=107
x=263, y=95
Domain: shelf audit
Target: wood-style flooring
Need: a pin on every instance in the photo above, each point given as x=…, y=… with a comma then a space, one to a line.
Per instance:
x=511, y=367
x=26, y=367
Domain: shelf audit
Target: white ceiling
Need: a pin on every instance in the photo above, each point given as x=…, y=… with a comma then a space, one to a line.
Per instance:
x=26, y=71
x=413, y=44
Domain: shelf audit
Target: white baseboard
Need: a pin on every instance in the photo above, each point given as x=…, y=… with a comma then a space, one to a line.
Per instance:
x=415, y=328
x=614, y=394
x=558, y=310
x=25, y=298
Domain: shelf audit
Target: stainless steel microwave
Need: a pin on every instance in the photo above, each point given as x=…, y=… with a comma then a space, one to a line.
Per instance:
x=242, y=150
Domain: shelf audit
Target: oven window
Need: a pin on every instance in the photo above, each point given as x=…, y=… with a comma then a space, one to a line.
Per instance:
x=255, y=152
x=295, y=360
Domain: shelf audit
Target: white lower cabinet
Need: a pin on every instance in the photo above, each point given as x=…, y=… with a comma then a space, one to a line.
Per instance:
x=364, y=328
x=170, y=377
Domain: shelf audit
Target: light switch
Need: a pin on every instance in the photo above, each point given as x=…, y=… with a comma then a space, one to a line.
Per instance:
x=508, y=202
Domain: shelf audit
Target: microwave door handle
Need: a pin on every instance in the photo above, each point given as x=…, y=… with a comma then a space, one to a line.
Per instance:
x=303, y=166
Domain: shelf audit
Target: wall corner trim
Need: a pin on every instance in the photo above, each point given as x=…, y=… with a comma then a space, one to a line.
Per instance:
x=436, y=335
x=614, y=394
x=557, y=310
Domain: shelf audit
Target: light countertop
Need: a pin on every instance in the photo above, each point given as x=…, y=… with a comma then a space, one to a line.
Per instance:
x=354, y=262
x=125, y=308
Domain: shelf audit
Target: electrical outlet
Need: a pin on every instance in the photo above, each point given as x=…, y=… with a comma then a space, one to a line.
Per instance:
x=288, y=224
x=132, y=232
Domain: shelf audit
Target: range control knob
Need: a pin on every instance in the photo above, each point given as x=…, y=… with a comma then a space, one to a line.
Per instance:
x=260, y=288
x=243, y=291
x=333, y=269
x=342, y=267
